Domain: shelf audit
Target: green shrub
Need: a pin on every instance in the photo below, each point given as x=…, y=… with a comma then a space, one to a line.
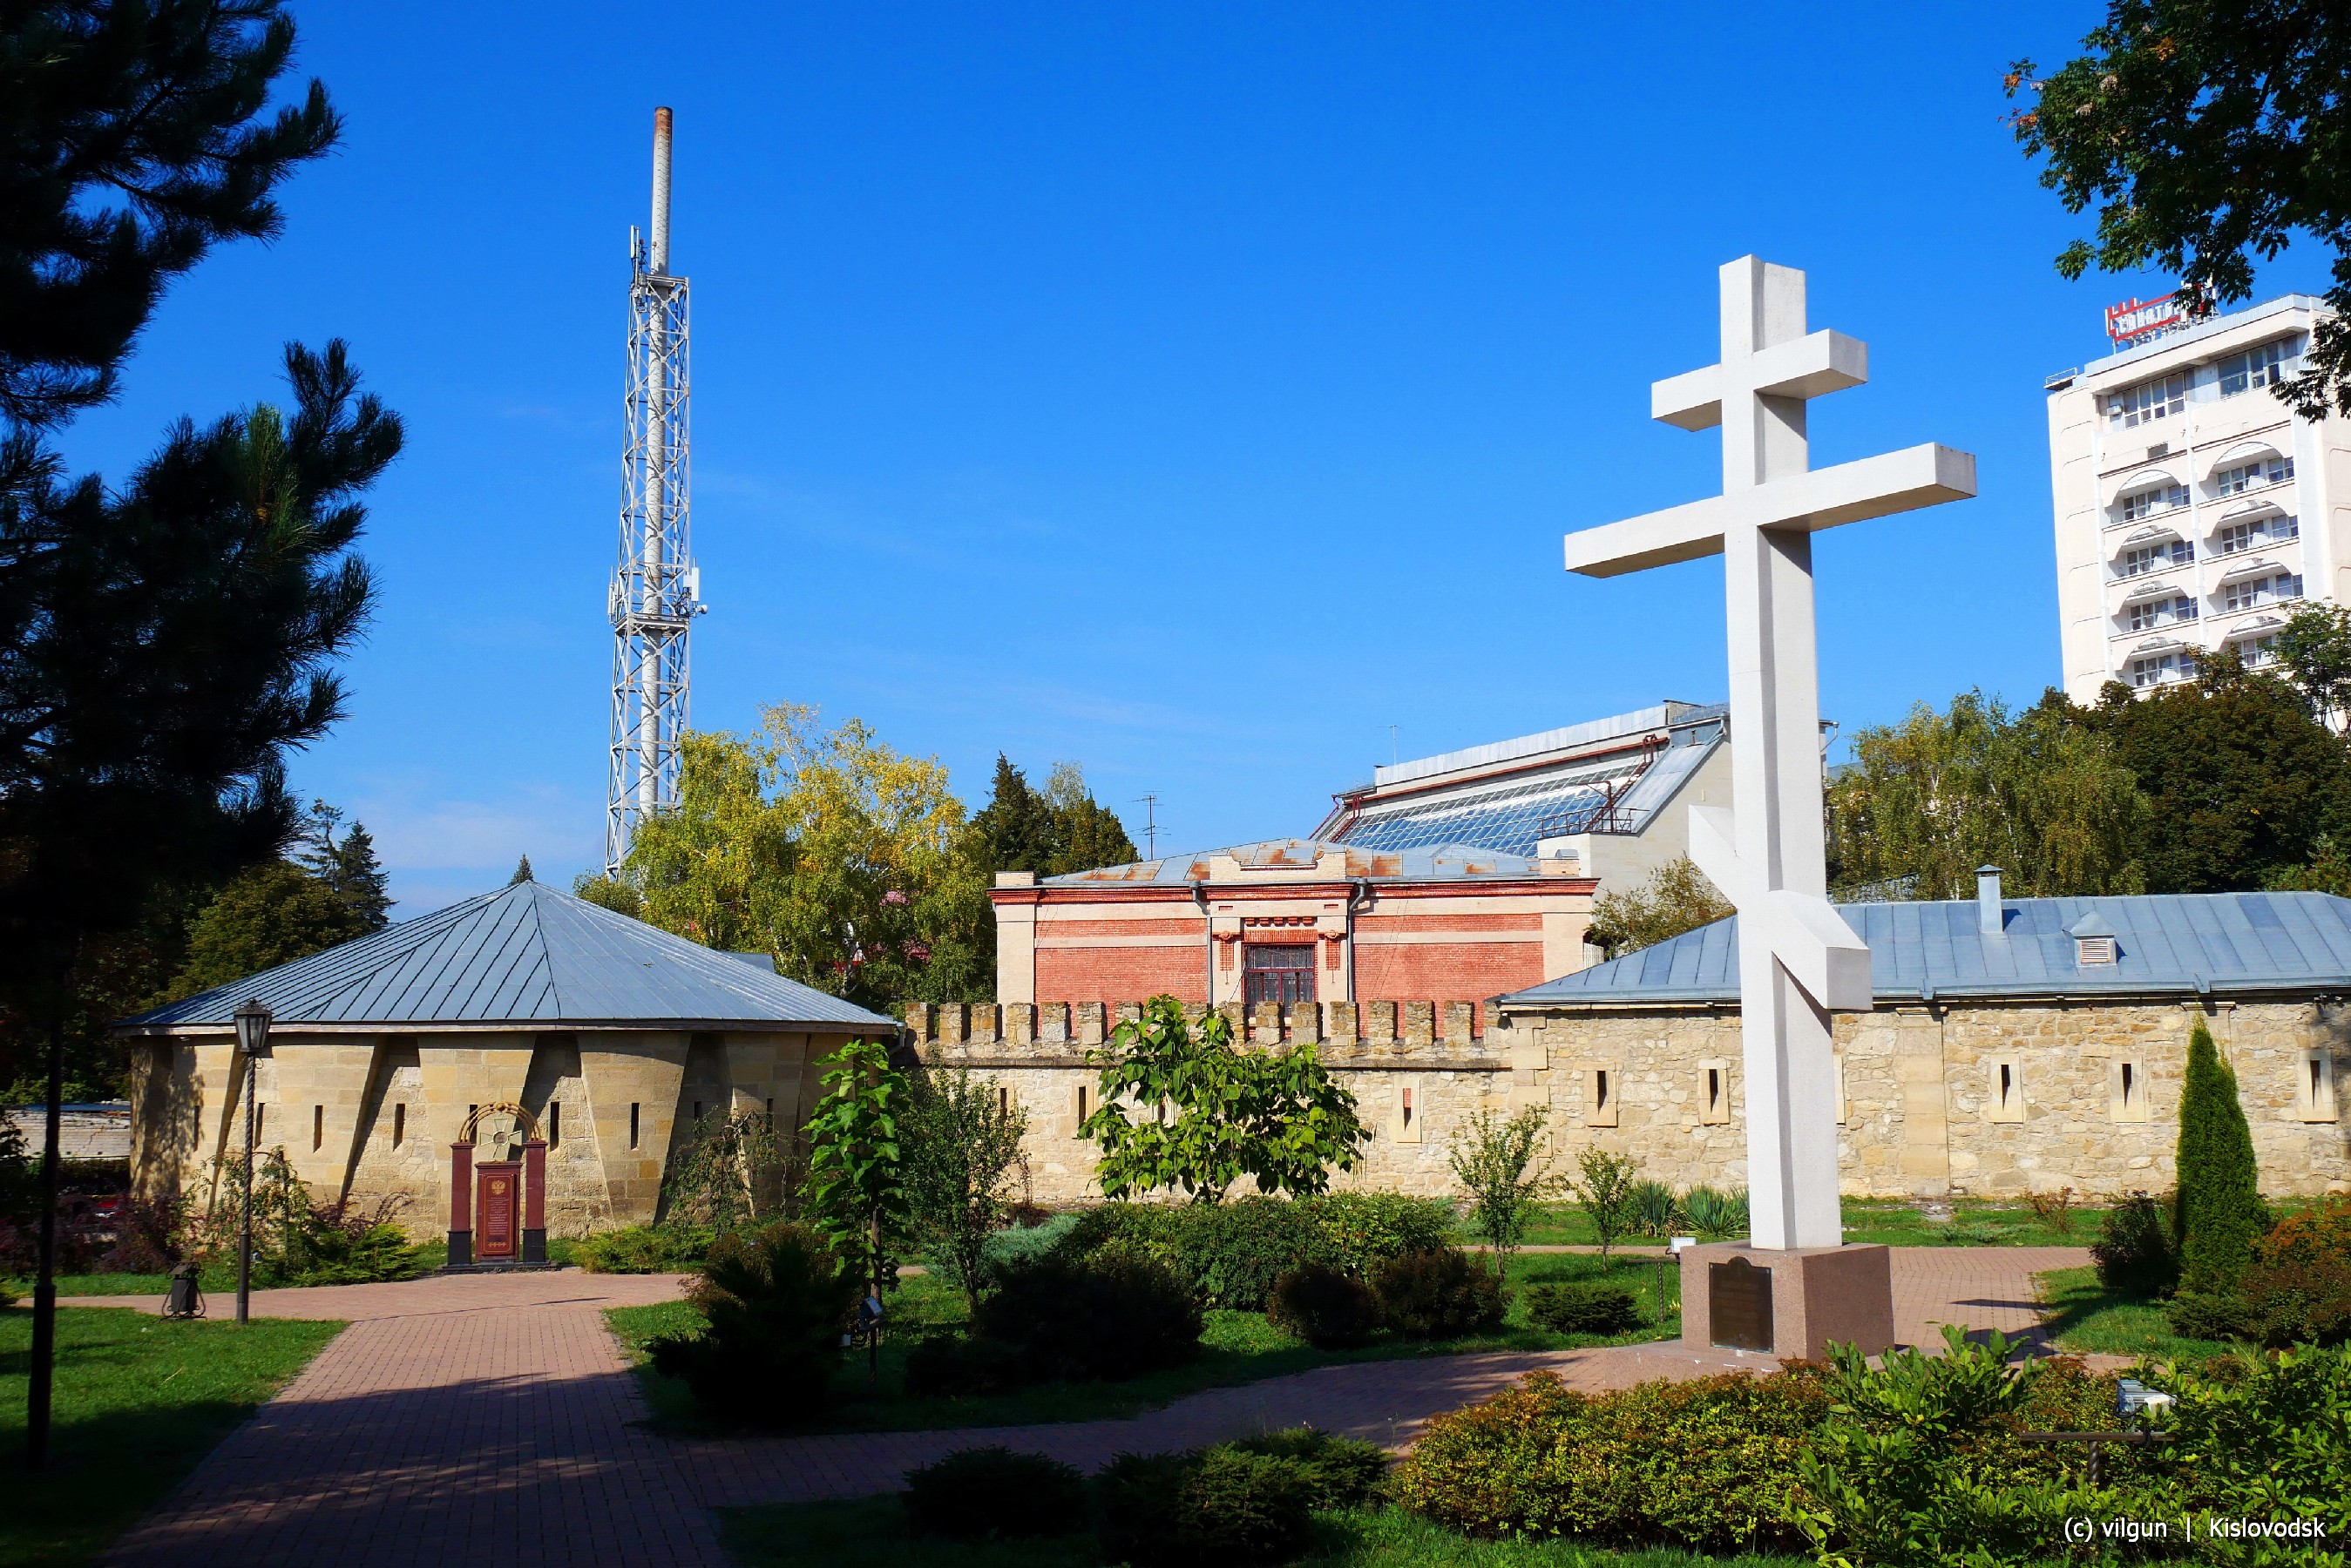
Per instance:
x=1324, y=1307
x=1118, y=1312
x=319, y=1252
x=776, y=1302
x=1708, y=1464
x=2210, y=1315
x=2298, y=1288
x=1438, y=1295
x=643, y=1250
x=1583, y=1306
x=1018, y=1243
x=1221, y=1505
x=953, y=1366
x=2217, y=1211
x=1343, y=1472
x=2260, y=1436
x=1367, y=1229
x=976, y=1493
x=1655, y=1208
x=2133, y=1251
x=1141, y=1227
x=1234, y=1251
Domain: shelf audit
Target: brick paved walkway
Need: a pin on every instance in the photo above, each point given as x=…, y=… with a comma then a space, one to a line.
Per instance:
x=457, y=1421
x=490, y=1420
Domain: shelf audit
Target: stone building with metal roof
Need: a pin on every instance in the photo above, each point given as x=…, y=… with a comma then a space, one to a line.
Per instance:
x=2016, y=1046
x=523, y=1032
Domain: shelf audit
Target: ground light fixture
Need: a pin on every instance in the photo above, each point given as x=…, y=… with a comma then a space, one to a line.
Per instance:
x=253, y=1043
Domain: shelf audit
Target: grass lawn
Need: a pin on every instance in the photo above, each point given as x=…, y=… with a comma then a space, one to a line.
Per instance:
x=1237, y=1347
x=870, y=1533
x=2086, y=1316
x=1882, y=1221
x=139, y=1402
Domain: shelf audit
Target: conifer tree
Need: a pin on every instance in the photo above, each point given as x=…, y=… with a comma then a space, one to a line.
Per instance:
x=133, y=141
x=2218, y=1212
x=522, y=873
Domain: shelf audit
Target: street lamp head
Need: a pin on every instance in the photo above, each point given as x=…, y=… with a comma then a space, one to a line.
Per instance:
x=253, y=1026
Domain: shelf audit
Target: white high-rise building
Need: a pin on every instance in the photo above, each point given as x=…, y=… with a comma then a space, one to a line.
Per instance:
x=2194, y=509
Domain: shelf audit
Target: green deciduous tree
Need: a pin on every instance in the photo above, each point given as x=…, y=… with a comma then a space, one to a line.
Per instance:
x=1504, y=1166
x=839, y=854
x=1184, y=1110
x=271, y=915
x=2218, y=1213
x=2314, y=652
x=1603, y=1185
x=2044, y=794
x=2207, y=134
x=961, y=1136
x=856, y=1168
x=1676, y=897
x=2242, y=782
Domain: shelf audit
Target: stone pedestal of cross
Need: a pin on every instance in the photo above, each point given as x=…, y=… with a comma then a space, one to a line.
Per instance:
x=1799, y=962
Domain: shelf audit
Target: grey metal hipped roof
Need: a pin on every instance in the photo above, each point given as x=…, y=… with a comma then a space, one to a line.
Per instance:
x=524, y=954
x=2185, y=944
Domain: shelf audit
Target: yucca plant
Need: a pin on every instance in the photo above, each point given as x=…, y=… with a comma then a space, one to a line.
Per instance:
x=1716, y=1215
x=1656, y=1210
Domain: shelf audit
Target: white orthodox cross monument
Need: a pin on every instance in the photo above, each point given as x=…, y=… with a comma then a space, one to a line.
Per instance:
x=1798, y=960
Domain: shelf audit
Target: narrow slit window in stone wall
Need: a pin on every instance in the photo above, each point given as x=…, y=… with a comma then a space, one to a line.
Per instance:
x=2127, y=1089
x=1600, y=1097
x=1407, y=1116
x=2004, y=1089
x=318, y=1129
x=1714, y=1092
x=555, y=1124
x=633, y=1108
x=399, y=1124
x=2315, y=1085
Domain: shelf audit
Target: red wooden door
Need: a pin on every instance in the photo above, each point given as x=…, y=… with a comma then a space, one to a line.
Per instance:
x=497, y=1231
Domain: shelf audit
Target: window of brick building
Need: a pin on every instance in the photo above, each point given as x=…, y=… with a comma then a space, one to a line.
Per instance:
x=1278, y=971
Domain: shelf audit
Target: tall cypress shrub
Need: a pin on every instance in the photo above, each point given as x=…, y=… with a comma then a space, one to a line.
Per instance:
x=2219, y=1210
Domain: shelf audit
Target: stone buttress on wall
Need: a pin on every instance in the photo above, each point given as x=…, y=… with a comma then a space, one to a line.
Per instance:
x=1981, y=1100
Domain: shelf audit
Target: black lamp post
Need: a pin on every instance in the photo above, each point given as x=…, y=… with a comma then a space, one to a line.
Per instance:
x=252, y=1043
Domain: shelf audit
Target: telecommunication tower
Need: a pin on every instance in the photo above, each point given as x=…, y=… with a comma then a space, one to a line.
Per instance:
x=657, y=590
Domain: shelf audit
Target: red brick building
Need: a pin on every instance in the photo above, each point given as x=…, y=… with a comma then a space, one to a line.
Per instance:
x=1461, y=876
x=1292, y=921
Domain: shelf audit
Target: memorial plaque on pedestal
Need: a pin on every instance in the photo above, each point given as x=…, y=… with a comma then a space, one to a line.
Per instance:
x=1738, y=1306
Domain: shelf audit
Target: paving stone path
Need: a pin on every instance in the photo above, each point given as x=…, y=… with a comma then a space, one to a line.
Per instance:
x=491, y=1419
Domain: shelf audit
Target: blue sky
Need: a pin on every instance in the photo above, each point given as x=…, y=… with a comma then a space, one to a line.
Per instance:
x=1192, y=392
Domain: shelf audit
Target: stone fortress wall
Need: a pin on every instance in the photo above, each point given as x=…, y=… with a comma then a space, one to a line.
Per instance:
x=1982, y=1099
x=1985, y=1099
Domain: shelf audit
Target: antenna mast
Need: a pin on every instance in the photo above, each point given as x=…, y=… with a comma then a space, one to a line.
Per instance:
x=657, y=590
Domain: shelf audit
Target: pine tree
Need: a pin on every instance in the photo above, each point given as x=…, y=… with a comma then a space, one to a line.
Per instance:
x=133, y=143
x=347, y=864
x=2218, y=1211
x=1015, y=829
x=522, y=873
x=1086, y=834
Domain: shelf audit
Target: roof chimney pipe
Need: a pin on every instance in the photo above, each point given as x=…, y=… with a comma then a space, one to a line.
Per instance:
x=1989, y=915
x=658, y=261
